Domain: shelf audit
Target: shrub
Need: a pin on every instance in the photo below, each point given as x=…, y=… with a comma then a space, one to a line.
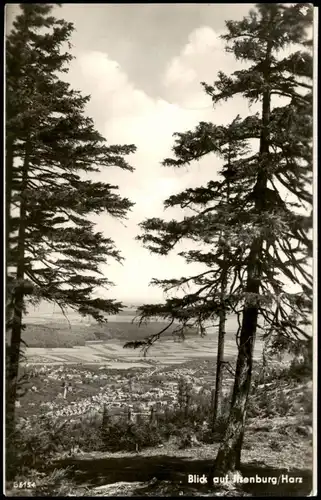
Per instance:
x=85, y=435
x=124, y=436
x=299, y=370
x=32, y=445
x=283, y=404
x=167, y=430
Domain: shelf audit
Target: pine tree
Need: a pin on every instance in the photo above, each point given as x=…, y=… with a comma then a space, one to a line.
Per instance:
x=285, y=156
x=209, y=225
x=55, y=253
x=266, y=237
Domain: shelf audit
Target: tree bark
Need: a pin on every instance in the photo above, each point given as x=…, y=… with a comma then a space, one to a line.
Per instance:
x=15, y=342
x=229, y=454
x=219, y=367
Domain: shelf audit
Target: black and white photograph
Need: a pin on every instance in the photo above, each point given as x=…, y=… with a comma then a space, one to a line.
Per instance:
x=160, y=250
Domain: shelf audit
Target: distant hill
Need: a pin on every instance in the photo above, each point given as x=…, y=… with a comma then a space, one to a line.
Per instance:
x=52, y=334
x=49, y=313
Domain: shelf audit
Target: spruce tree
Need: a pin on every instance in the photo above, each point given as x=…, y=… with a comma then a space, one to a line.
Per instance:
x=284, y=155
x=266, y=235
x=216, y=213
x=54, y=252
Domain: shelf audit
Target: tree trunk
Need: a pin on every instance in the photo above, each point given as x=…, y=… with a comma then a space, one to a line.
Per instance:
x=229, y=454
x=221, y=329
x=15, y=343
x=219, y=369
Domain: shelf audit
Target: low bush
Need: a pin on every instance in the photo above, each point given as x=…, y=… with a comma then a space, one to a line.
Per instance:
x=84, y=435
x=124, y=436
x=33, y=444
x=299, y=370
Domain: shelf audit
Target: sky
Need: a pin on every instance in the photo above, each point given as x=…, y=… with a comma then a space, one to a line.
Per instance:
x=142, y=64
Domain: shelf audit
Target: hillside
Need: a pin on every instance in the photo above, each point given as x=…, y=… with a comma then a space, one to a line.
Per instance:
x=279, y=419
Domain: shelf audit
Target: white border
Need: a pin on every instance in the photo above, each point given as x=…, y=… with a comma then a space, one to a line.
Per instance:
x=315, y=266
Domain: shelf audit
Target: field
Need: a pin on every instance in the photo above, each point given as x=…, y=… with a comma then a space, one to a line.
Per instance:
x=58, y=342
x=54, y=334
x=112, y=353
x=150, y=443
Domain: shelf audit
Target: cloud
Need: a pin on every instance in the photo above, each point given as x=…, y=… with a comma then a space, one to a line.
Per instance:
x=201, y=41
x=195, y=59
x=126, y=114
